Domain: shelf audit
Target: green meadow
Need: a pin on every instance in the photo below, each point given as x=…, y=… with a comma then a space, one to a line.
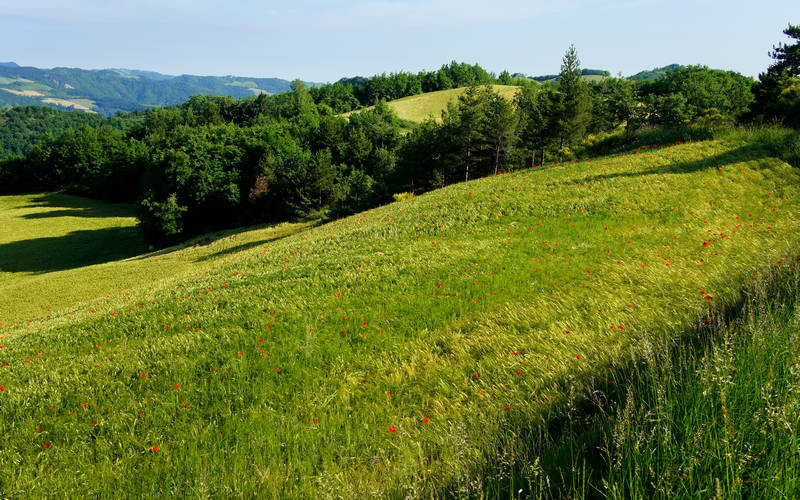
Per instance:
x=57, y=250
x=402, y=351
x=418, y=108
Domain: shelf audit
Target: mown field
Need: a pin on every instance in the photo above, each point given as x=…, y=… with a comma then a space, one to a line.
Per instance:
x=418, y=108
x=396, y=352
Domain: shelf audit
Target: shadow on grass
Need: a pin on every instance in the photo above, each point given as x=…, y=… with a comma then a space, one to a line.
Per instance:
x=210, y=238
x=745, y=153
x=76, y=249
x=254, y=244
x=64, y=205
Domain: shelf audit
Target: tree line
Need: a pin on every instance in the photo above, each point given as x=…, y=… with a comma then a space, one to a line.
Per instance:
x=349, y=94
x=215, y=162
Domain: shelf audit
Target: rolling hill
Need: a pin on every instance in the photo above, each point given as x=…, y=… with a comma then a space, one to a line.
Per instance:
x=109, y=91
x=396, y=352
x=417, y=108
x=654, y=74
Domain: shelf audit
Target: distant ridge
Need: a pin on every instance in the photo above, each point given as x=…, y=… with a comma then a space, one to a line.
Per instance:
x=655, y=73
x=584, y=72
x=144, y=74
x=108, y=91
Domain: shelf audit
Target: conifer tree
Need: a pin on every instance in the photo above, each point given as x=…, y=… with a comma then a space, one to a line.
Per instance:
x=574, y=103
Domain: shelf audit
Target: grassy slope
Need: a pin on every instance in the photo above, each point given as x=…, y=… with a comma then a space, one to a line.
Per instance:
x=417, y=108
x=475, y=306
x=710, y=413
x=57, y=250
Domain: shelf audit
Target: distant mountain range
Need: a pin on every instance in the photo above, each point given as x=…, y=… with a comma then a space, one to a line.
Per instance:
x=599, y=74
x=110, y=90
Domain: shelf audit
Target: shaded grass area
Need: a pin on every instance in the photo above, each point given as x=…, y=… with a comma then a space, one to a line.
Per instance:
x=710, y=413
x=387, y=354
x=51, y=232
x=57, y=249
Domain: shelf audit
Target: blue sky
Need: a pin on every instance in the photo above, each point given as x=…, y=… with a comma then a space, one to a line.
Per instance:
x=325, y=40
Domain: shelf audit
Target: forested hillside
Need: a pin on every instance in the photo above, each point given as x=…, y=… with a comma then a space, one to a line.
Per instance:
x=109, y=91
x=216, y=162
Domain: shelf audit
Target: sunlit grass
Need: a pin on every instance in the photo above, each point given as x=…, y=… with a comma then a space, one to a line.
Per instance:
x=57, y=250
x=711, y=412
x=389, y=352
x=418, y=108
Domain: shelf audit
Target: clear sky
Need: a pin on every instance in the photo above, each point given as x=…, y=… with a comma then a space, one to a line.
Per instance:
x=322, y=41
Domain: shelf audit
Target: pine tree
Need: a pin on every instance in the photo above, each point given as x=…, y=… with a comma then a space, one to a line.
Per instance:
x=777, y=93
x=574, y=102
x=500, y=125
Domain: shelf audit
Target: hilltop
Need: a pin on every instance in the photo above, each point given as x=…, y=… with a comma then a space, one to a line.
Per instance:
x=417, y=108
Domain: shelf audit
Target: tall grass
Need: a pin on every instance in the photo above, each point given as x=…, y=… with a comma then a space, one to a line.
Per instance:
x=784, y=141
x=397, y=352
x=711, y=413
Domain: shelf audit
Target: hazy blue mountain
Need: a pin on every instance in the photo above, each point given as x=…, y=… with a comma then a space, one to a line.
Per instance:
x=110, y=90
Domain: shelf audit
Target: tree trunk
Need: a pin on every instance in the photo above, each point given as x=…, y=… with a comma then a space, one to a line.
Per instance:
x=469, y=154
x=496, y=156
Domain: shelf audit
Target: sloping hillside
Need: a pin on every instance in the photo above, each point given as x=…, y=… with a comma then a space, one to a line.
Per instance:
x=395, y=352
x=109, y=91
x=417, y=108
